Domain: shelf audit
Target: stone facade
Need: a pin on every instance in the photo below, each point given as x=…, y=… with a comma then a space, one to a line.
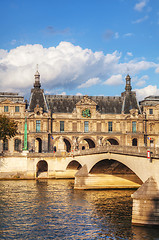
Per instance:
x=67, y=123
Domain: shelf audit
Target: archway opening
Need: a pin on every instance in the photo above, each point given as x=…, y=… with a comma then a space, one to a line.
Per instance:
x=38, y=145
x=74, y=165
x=87, y=143
x=134, y=142
x=68, y=145
x=116, y=169
x=113, y=141
x=42, y=166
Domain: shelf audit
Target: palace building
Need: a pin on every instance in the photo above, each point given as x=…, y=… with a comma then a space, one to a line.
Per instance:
x=53, y=123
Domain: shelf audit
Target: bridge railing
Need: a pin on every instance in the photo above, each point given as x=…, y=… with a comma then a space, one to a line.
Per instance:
x=126, y=150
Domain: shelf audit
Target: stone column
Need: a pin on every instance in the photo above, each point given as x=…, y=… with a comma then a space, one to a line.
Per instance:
x=146, y=204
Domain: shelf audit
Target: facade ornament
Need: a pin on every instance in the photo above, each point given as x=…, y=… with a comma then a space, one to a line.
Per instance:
x=86, y=113
x=75, y=143
x=100, y=144
x=86, y=101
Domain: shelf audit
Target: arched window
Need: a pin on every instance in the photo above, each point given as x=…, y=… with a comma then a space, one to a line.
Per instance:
x=17, y=145
x=5, y=145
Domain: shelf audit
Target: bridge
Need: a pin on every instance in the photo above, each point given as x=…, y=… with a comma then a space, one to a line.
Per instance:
x=110, y=166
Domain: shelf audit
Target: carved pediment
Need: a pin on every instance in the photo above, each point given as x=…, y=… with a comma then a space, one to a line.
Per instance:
x=86, y=101
x=38, y=110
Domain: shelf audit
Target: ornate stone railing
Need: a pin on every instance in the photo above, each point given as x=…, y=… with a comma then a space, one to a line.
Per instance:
x=126, y=150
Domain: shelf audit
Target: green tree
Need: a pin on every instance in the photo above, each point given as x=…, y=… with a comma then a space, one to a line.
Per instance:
x=8, y=127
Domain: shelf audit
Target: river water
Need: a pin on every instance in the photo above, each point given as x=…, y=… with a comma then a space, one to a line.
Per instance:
x=52, y=209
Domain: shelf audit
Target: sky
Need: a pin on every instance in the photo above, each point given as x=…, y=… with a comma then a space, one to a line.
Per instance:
x=80, y=46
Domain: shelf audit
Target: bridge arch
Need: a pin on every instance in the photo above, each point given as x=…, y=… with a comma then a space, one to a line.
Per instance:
x=111, y=141
x=86, y=143
x=115, y=168
x=42, y=166
x=73, y=165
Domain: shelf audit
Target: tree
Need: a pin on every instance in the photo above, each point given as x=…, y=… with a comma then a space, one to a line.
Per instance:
x=8, y=127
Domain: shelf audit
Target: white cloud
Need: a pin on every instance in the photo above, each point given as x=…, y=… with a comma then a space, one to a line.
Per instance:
x=128, y=34
x=141, y=81
x=63, y=93
x=141, y=19
x=129, y=54
x=141, y=5
x=114, y=80
x=79, y=94
x=66, y=66
x=90, y=82
x=147, y=91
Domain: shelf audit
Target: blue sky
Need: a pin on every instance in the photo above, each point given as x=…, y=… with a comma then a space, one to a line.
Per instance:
x=81, y=47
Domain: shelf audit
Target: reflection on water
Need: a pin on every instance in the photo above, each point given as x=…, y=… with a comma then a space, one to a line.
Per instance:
x=52, y=209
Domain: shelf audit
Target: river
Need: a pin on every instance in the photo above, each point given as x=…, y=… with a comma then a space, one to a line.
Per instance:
x=52, y=209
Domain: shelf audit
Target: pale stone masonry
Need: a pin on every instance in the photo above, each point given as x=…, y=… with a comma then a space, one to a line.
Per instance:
x=83, y=122
x=146, y=204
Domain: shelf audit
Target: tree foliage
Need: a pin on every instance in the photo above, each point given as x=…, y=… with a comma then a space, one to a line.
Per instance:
x=8, y=127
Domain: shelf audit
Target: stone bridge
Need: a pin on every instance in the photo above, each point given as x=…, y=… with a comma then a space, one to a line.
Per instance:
x=103, y=167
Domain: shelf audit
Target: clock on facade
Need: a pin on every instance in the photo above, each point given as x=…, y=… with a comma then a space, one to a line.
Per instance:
x=86, y=113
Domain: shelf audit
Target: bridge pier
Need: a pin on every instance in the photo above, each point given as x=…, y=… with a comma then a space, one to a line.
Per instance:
x=146, y=204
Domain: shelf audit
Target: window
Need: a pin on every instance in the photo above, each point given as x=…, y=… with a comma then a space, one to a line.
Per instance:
x=61, y=126
x=17, y=144
x=5, y=108
x=86, y=126
x=150, y=111
x=38, y=127
x=110, y=126
x=16, y=108
x=133, y=127
x=5, y=145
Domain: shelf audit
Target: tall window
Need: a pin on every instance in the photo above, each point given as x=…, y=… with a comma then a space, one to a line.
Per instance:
x=38, y=125
x=86, y=126
x=61, y=126
x=17, y=144
x=5, y=108
x=133, y=127
x=150, y=111
x=16, y=108
x=5, y=145
x=110, y=126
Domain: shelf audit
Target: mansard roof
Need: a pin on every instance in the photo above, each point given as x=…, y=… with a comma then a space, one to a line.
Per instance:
x=105, y=105
x=66, y=104
x=13, y=97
